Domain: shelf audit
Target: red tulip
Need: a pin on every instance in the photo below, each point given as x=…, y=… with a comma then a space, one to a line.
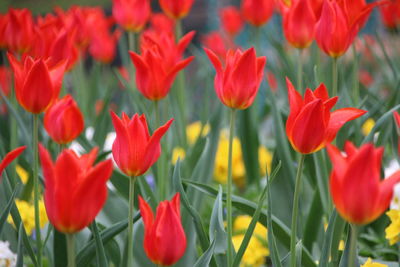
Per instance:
x=134, y=150
x=390, y=14
x=5, y=80
x=299, y=24
x=176, y=9
x=75, y=190
x=18, y=33
x=132, y=15
x=311, y=125
x=103, y=45
x=164, y=237
x=257, y=12
x=160, y=62
x=217, y=43
x=356, y=187
x=63, y=121
x=231, y=20
x=159, y=23
x=10, y=157
x=36, y=85
x=237, y=84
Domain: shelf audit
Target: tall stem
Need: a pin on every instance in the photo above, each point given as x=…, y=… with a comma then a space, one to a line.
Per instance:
x=334, y=77
x=300, y=71
x=160, y=164
x=132, y=41
x=229, y=188
x=130, y=220
x=295, y=212
x=353, y=246
x=71, y=250
x=36, y=186
x=356, y=85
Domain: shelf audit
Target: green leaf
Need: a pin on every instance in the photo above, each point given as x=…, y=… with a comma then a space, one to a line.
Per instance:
x=100, y=253
x=6, y=212
x=216, y=230
x=205, y=259
x=298, y=248
x=326, y=247
x=20, y=250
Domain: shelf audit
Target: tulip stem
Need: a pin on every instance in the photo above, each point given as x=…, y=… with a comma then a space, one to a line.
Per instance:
x=130, y=220
x=300, y=71
x=36, y=186
x=160, y=164
x=353, y=246
x=229, y=189
x=356, y=85
x=334, y=77
x=71, y=250
x=132, y=41
x=293, y=235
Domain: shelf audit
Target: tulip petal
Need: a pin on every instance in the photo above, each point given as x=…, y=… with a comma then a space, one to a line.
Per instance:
x=10, y=156
x=215, y=61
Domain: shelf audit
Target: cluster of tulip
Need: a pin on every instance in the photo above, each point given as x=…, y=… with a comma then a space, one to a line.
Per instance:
x=43, y=52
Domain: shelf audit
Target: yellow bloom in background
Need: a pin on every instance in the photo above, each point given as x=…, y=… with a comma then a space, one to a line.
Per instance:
x=22, y=173
x=369, y=263
x=265, y=159
x=367, y=126
x=256, y=251
x=193, y=131
x=393, y=230
x=178, y=152
x=27, y=212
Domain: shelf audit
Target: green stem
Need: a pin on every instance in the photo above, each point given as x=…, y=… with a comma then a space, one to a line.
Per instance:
x=130, y=220
x=229, y=188
x=334, y=77
x=160, y=181
x=36, y=186
x=295, y=212
x=353, y=246
x=356, y=85
x=71, y=250
x=132, y=41
x=300, y=71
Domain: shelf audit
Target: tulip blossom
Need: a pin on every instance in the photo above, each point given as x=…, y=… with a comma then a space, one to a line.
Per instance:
x=390, y=14
x=36, y=85
x=63, y=121
x=355, y=183
x=75, y=189
x=134, y=150
x=5, y=80
x=217, y=43
x=339, y=24
x=311, y=125
x=160, y=62
x=231, y=20
x=132, y=15
x=176, y=9
x=18, y=33
x=237, y=83
x=10, y=157
x=257, y=12
x=164, y=237
x=159, y=23
x=299, y=24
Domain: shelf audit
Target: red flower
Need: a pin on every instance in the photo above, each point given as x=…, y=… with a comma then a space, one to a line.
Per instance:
x=5, y=80
x=176, y=9
x=36, y=85
x=257, y=12
x=63, y=121
x=75, y=190
x=390, y=14
x=299, y=24
x=311, y=125
x=132, y=15
x=134, y=150
x=237, y=84
x=10, y=157
x=164, y=237
x=160, y=62
x=159, y=23
x=216, y=43
x=231, y=20
x=103, y=45
x=356, y=187
x=19, y=34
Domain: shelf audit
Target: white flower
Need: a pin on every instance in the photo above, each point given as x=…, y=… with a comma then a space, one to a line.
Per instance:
x=7, y=257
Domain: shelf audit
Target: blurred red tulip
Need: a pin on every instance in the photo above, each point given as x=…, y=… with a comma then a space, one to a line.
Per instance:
x=390, y=14
x=9, y=157
x=237, y=83
x=103, y=46
x=19, y=35
x=311, y=125
x=176, y=9
x=299, y=24
x=257, y=12
x=132, y=15
x=216, y=43
x=36, y=85
x=159, y=23
x=365, y=78
x=356, y=187
x=5, y=80
x=164, y=237
x=63, y=121
x=75, y=190
x=134, y=150
x=272, y=82
x=231, y=20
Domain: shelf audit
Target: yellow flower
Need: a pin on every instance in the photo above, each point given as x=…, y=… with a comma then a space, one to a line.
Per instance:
x=22, y=173
x=242, y=222
x=27, y=212
x=193, y=131
x=367, y=126
x=369, y=263
x=178, y=152
x=393, y=230
x=265, y=159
